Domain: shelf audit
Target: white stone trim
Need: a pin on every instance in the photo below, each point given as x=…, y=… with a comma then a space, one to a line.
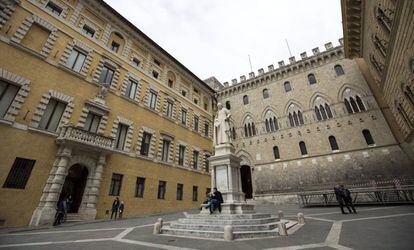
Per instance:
x=40, y=110
x=129, y=123
x=153, y=141
x=25, y=26
x=7, y=7
x=82, y=47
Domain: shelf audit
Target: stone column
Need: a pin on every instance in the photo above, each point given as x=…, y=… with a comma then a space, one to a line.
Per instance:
x=45, y=212
x=90, y=211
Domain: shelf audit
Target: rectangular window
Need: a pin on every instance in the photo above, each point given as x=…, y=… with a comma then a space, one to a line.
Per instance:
x=92, y=122
x=184, y=116
x=145, y=144
x=162, y=186
x=7, y=94
x=206, y=129
x=183, y=93
x=19, y=173
x=195, y=193
x=195, y=101
x=165, y=150
x=52, y=115
x=106, y=75
x=114, y=46
x=181, y=154
x=140, y=187
x=157, y=62
x=152, y=100
x=116, y=184
x=54, y=8
x=76, y=60
x=88, y=31
x=207, y=163
x=136, y=62
x=170, y=83
x=155, y=74
x=180, y=189
x=169, y=110
x=121, y=136
x=131, y=90
x=196, y=120
x=195, y=159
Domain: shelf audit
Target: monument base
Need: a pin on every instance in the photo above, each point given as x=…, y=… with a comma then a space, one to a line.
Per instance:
x=232, y=208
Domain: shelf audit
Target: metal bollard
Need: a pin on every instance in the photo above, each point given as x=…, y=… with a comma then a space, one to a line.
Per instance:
x=228, y=233
x=301, y=218
x=281, y=229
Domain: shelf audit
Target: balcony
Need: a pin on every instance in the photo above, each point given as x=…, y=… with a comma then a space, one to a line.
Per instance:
x=70, y=134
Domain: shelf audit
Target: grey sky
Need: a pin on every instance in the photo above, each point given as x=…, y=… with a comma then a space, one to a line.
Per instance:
x=214, y=37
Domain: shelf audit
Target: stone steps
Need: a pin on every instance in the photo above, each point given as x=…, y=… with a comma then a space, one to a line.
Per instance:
x=72, y=217
x=217, y=234
x=228, y=216
x=210, y=227
x=219, y=221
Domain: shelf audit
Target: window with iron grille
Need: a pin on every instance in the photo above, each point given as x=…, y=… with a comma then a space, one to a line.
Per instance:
x=54, y=8
x=19, y=173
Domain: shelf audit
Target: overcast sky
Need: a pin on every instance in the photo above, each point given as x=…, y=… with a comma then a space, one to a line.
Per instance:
x=215, y=37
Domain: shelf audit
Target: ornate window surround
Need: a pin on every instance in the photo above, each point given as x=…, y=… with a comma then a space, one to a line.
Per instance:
x=76, y=44
x=7, y=7
x=129, y=123
x=153, y=142
x=130, y=76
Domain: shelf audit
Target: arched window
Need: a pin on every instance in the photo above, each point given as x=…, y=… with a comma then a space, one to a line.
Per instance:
x=311, y=79
x=354, y=105
x=245, y=100
x=339, y=70
x=246, y=132
x=292, y=124
x=276, y=152
x=253, y=129
x=303, y=149
x=334, y=144
x=265, y=93
x=408, y=93
x=318, y=114
x=287, y=86
x=348, y=107
x=322, y=109
x=228, y=105
x=368, y=138
x=233, y=133
x=300, y=118
x=404, y=115
x=328, y=111
x=275, y=123
x=267, y=126
x=360, y=103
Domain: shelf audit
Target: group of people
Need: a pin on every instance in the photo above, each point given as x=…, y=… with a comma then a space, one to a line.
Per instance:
x=62, y=210
x=117, y=207
x=343, y=196
x=213, y=201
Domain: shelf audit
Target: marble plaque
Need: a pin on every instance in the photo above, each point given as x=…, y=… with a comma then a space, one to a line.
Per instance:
x=221, y=178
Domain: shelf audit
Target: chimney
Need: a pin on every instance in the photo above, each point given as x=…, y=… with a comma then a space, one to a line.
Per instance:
x=315, y=51
x=328, y=46
x=251, y=75
x=281, y=64
x=270, y=67
x=261, y=71
x=242, y=78
x=292, y=59
x=303, y=55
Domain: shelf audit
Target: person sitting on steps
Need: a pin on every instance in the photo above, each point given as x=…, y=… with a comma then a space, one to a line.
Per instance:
x=216, y=201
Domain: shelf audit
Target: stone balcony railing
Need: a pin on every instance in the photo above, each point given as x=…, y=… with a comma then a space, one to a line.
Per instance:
x=70, y=133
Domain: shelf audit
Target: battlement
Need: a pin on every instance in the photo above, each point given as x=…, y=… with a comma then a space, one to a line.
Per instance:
x=292, y=66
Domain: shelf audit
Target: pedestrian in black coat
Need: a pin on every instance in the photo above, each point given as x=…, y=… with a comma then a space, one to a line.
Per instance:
x=340, y=197
x=348, y=199
x=115, y=207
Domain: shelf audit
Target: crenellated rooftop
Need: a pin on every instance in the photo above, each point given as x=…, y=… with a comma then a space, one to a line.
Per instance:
x=283, y=70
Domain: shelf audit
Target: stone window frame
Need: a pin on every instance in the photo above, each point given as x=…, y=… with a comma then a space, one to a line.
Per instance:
x=200, y=158
x=44, y=101
x=153, y=142
x=154, y=89
x=83, y=47
x=198, y=115
x=186, y=153
x=110, y=64
x=127, y=78
x=24, y=89
x=205, y=154
x=165, y=136
x=182, y=106
x=114, y=130
x=94, y=109
x=65, y=8
x=25, y=26
x=7, y=7
x=85, y=21
x=203, y=121
x=167, y=99
x=138, y=56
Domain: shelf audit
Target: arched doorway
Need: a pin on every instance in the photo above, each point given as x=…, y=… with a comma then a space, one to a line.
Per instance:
x=246, y=179
x=74, y=186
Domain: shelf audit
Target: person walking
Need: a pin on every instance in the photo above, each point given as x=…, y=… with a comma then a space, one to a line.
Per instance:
x=115, y=207
x=340, y=195
x=60, y=213
x=121, y=209
x=348, y=199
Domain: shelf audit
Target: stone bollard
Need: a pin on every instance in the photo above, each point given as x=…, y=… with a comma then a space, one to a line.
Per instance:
x=281, y=229
x=160, y=221
x=228, y=233
x=301, y=218
x=157, y=228
x=280, y=214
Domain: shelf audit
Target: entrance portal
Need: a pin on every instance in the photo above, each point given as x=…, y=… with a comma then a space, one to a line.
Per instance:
x=74, y=186
x=246, y=179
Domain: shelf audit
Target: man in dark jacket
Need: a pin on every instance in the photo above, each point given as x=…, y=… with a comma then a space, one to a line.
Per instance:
x=60, y=213
x=348, y=199
x=115, y=207
x=340, y=197
x=216, y=201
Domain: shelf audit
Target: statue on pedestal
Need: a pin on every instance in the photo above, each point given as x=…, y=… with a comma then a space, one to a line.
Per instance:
x=222, y=126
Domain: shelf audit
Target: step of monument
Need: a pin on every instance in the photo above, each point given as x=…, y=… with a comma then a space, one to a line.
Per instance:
x=228, y=216
x=210, y=227
x=217, y=234
x=221, y=221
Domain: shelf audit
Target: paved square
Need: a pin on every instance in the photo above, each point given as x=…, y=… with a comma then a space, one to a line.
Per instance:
x=326, y=228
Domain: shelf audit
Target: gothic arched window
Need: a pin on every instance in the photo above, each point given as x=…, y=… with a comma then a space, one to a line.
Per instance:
x=334, y=144
x=339, y=70
x=303, y=149
x=354, y=105
x=276, y=152
x=287, y=86
x=311, y=79
x=318, y=114
x=348, y=106
x=360, y=103
x=265, y=93
x=368, y=137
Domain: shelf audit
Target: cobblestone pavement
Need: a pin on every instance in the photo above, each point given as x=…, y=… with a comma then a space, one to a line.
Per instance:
x=326, y=228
